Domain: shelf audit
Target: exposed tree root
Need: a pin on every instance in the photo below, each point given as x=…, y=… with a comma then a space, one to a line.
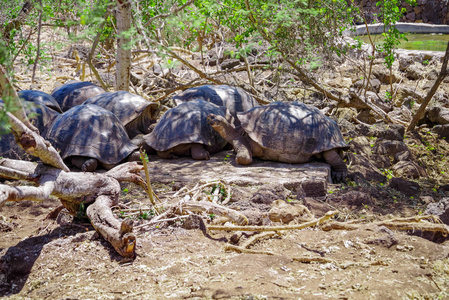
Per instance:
x=413, y=223
x=243, y=248
x=319, y=221
x=257, y=237
x=213, y=208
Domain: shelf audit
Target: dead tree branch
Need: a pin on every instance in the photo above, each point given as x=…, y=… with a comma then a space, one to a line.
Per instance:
x=10, y=96
x=443, y=73
x=97, y=192
x=39, y=26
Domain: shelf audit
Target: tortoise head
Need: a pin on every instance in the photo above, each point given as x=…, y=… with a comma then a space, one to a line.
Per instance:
x=216, y=121
x=221, y=125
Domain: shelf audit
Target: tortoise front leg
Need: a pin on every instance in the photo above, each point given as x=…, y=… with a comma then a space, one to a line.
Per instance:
x=338, y=166
x=119, y=234
x=85, y=164
x=198, y=152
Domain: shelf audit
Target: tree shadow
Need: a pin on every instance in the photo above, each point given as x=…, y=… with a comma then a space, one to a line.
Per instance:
x=17, y=261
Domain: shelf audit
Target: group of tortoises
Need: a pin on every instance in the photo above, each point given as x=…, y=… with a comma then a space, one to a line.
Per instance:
x=91, y=127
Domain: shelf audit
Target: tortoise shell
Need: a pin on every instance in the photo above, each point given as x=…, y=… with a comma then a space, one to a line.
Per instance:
x=40, y=97
x=75, y=93
x=292, y=128
x=235, y=99
x=135, y=113
x=187, y=124
x=91, y=131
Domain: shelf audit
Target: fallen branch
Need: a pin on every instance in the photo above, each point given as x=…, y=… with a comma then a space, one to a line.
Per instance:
x=243, y=248
x=152, y=222
x=7, y=92
x=316, y=222
x=216, y=209
x=195, y=192
x=395, y=224
x=34, y=144
x=252, y=240
x=422, y=226
x=77, y=190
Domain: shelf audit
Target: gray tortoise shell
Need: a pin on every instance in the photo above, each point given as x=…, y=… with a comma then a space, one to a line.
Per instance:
x=235, y=99
x=40, y=97
x=186, y=124
x=126, y=106
x=292, y=128
x=92, y=131
x=74, y=93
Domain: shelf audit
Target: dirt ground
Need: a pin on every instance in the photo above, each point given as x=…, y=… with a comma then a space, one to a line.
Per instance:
x=62, y=258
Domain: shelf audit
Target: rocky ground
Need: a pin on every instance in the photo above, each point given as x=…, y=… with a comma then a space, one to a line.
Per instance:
x=392, y=175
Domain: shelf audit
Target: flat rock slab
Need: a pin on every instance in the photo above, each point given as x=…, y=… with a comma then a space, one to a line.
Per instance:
x=222, y=166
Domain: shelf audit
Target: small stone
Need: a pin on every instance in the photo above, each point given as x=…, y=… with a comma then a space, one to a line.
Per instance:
x=406, y=187
x=439, y=209
x=314, y=187
x=285, y=213
x=404, y=248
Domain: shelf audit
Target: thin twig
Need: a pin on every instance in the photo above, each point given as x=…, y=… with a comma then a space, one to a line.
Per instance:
x=38, y=42
x=160, y=221
x=163, y=16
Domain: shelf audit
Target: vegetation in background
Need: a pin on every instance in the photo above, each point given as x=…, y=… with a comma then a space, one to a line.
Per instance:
x=390, y=14
x=298, y=37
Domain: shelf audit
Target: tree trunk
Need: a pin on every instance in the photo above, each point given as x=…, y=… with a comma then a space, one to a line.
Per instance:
x=123, y=67
x=443, y=73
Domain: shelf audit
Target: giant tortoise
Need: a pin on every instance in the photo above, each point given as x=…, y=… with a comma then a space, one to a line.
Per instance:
x=184, y=131
x=40, y=97
x=88, y=134
x=75, y=92
x=287, y=132
x=235, y=99
x=135, y=113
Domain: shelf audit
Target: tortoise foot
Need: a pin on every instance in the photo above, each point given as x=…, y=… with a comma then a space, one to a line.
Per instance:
x=84, y=163
x=199, y=153
x=89, y=165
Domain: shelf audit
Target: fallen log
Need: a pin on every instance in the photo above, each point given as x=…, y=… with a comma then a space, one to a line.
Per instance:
x=77, y=190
